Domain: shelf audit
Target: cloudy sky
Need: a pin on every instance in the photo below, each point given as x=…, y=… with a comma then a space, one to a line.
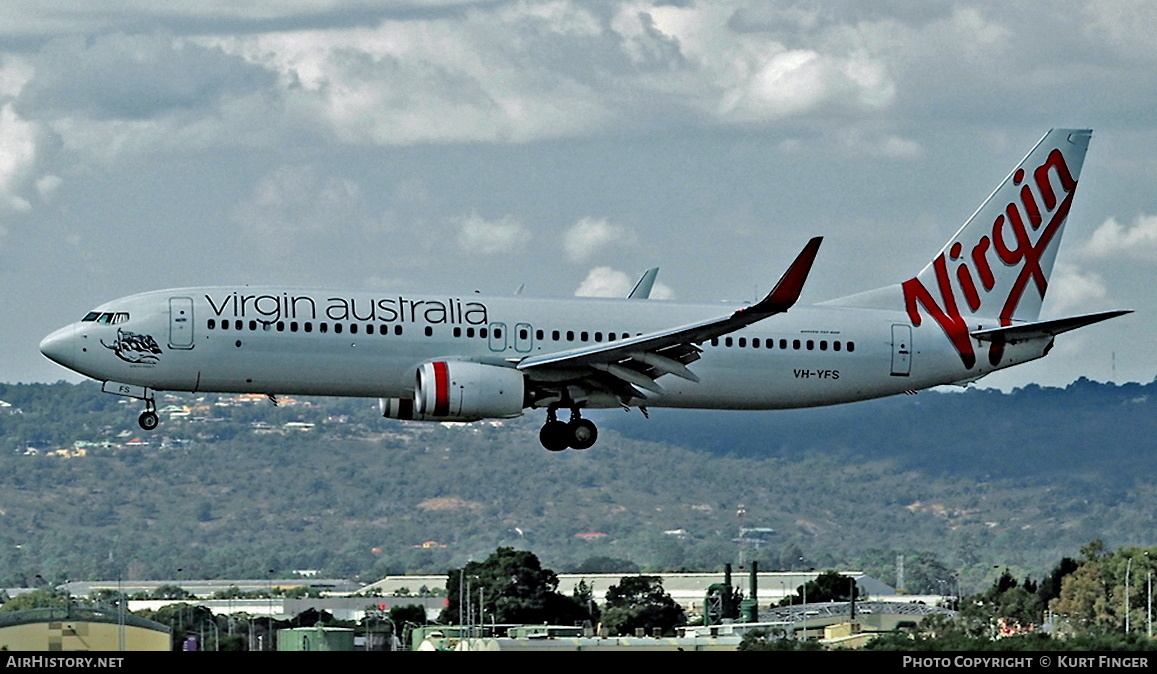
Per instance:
x=445, y=145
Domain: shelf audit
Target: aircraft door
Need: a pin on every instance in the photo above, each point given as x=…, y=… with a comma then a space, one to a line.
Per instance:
x=498, y=337
x=523, y=338
x=901, y=350
x=180, y=322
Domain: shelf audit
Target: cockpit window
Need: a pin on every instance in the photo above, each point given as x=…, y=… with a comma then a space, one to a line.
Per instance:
x=106, y=318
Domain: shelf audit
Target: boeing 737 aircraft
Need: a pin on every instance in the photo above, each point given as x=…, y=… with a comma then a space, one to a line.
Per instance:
x=972, y=310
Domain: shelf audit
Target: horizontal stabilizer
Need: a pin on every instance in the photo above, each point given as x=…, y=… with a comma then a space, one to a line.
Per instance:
x=1042, y=329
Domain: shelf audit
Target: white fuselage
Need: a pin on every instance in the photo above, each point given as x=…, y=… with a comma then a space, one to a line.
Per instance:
x=341, y=343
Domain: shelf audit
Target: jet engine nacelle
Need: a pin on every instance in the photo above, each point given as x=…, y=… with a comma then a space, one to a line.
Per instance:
x=464, y=391
x=399, y=408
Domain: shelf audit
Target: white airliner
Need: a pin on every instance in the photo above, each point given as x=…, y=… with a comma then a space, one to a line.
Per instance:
x=972, y=310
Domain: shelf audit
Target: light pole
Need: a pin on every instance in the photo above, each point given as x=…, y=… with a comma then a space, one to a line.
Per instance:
x=1128, y=566
x=272, y=646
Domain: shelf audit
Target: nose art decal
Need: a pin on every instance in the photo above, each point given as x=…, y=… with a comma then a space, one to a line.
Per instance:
x=133, y=348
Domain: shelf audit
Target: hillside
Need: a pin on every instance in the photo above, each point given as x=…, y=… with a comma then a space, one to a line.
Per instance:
x=236, y=487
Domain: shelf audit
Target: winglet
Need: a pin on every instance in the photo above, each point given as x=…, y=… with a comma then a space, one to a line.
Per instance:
x=787, y=291
x=642, y=289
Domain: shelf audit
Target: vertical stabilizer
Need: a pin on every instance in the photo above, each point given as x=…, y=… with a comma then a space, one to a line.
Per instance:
x=997, y=266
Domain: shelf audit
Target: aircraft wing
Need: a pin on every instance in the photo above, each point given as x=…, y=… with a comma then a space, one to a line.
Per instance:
x=624, y=366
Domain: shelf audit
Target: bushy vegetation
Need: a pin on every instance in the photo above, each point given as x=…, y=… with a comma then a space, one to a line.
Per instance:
x=963, y=485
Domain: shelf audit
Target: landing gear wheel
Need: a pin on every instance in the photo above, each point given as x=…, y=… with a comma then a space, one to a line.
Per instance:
x=555, y=435
x=148, y=420
x=582, y=433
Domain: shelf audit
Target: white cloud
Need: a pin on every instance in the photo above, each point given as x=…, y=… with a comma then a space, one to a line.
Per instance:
x=605, y=282
x=490, y=237
x=17, y=158
x=608, y=282
x=587, y=236
x=662, y=291
x=1070, y=288
x=14, y=73
x=1113, y=239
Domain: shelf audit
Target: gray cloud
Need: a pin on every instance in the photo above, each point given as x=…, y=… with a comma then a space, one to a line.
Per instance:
x=134, y=77
x=342, y=144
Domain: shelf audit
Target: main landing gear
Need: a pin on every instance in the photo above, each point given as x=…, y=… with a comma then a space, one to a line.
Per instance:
x=557, y=435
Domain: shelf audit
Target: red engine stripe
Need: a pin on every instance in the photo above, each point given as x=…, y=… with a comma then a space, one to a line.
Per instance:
x=441, y=389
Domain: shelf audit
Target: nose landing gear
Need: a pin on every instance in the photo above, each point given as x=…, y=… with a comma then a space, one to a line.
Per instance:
x=557, y=435
x=149, y=419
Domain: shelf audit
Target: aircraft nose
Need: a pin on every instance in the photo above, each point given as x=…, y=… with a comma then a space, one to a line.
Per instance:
x=60, y=347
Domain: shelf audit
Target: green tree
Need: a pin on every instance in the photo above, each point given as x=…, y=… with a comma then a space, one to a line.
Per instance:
x=1093, y=597
x=45, y=597
x=641, y=601
x=828, y=586
x=512, y=587
x=183, y=619
x=171, y=592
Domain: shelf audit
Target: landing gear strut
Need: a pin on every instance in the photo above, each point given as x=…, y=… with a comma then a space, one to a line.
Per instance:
x=578, y=433
x=149, y=419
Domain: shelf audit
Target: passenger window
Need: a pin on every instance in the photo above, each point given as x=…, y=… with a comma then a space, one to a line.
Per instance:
x=337, y=328
x=429, y=331
x=851, y=346
x=397, y=329
x=212, y=323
